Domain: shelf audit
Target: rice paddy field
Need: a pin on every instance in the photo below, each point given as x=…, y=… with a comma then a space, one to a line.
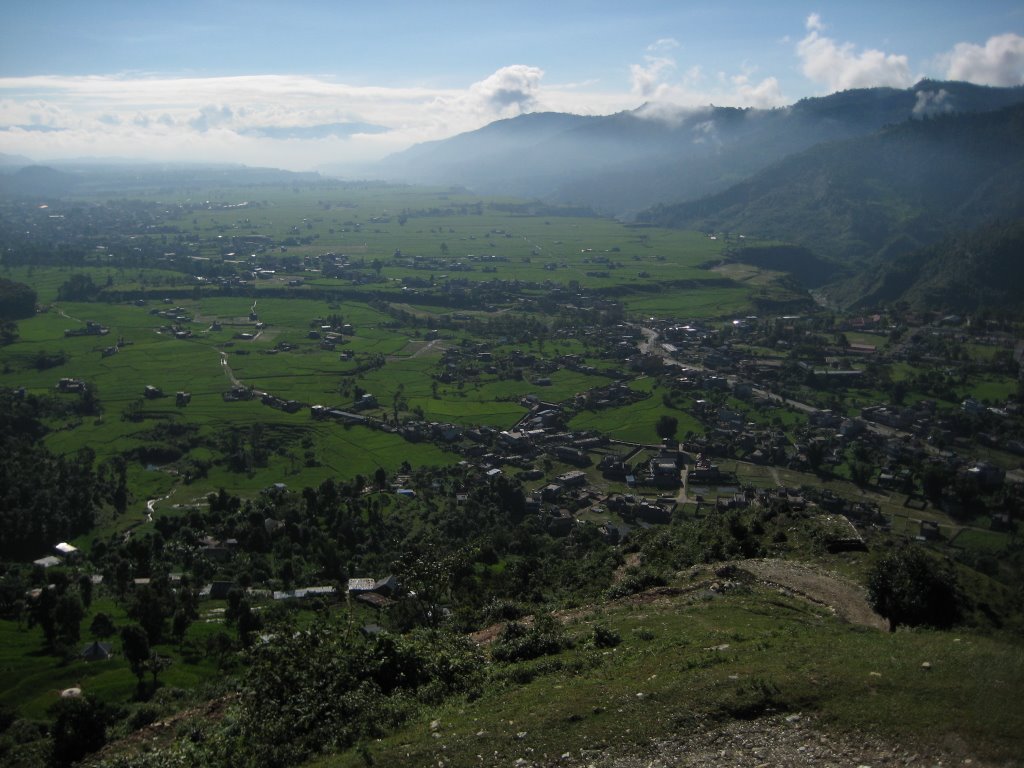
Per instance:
x=259, y=337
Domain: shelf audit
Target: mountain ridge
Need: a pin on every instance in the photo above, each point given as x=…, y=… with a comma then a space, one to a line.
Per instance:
x=871, y=203
x=626, y=162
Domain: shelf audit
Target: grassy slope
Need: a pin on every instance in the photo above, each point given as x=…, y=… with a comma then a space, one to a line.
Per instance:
x=689, y=659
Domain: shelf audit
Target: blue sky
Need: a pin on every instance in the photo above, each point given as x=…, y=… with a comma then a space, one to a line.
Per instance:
x=301, y=84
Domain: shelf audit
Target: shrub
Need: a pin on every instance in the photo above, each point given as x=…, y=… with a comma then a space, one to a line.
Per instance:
x=519, y=642
x=911, y=587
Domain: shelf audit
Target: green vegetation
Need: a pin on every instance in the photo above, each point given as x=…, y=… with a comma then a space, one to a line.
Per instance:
x=296, y=446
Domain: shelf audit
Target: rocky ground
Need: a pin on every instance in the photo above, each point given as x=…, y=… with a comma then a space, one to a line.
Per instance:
x=847, y=600
x=780, y=741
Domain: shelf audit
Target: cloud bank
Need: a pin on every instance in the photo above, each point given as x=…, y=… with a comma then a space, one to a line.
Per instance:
x=306, y=121
x=999, y=62
x=840, y=66
x=299, y=121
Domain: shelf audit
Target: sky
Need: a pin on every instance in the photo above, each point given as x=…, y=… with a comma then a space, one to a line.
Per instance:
x=307, y=84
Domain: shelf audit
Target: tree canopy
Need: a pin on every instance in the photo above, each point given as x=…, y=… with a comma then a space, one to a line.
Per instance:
x=913, y=588
x=17, y=300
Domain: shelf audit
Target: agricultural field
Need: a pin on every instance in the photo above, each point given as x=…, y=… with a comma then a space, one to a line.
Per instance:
x=497, y=405
x=456, y=235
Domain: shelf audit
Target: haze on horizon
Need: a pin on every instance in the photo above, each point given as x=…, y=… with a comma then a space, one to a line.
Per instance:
x=308, y=85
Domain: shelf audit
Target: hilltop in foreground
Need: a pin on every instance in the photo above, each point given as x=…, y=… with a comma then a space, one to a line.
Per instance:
x=753, y=662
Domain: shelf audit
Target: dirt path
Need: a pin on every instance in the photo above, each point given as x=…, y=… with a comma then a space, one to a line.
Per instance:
x=780, y=741
x=846, y=599
x=420, y=350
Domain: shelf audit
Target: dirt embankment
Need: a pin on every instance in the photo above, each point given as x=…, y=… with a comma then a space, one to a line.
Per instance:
x=847, y=600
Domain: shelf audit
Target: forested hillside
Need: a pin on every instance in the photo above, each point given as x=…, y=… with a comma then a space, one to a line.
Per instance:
x=623, y=163
x=879, y=200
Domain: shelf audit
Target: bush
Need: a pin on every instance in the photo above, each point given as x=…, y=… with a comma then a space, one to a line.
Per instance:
x=328, y=686
x=519, y=642
x=633, y=583
x=605, y=637
x=503, y=610
x=911, y=587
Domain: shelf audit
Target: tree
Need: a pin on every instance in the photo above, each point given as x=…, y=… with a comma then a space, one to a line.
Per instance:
x=911, y=587
x=102, y=626
x=68, y=614
x=42, y=611
x=219, y=646
x=248, y=623
x=78, y=287
x=667, y=426
x=179, y=625
x=17, y=300
x=150, y=608
x=85, y=589
x=156, y=664
x=79, y=728
x=934, y=482
x=815, y=455
x=135, y=646
x=860, y=473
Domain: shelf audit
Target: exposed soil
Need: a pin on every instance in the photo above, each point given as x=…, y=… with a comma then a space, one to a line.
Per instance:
x=161, y=734
x=779, y=741
x=846, y=600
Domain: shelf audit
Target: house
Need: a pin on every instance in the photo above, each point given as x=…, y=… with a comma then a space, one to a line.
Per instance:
x=985, y=475
x=68, y=551
x=664, y=472
x=373, y=599
x=303, y=592
x=365, y=401
x=217, y=590
x=356, y=586
x=560, y=523
x=573, y=479
x=47, y=562
x=653, y=513
x=96, y=651
x=71, y=385
x=552, y=492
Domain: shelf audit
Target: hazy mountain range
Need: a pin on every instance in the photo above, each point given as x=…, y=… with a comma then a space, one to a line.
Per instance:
x=871, y=204
x=884, y=194
x=624, y=163
x=879, y=192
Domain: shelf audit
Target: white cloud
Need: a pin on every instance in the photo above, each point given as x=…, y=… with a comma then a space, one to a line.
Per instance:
x=659, y=81
x=932, y=103
x=839, y=66
x=814, y=23
x=289, y=121
x=512, y=88
x=764, y=94
x=999, y=62
x=664, y=44
x=647, y=78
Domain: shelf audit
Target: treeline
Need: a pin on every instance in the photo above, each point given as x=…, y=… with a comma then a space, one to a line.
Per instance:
x=44, y=498
x=878, y=197
x=17, y=300
x=965, y=272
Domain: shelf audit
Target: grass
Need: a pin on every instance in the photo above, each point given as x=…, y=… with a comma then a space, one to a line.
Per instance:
x=30, y=679
x=636, y=422
x=684, y=662
x=985, y=541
